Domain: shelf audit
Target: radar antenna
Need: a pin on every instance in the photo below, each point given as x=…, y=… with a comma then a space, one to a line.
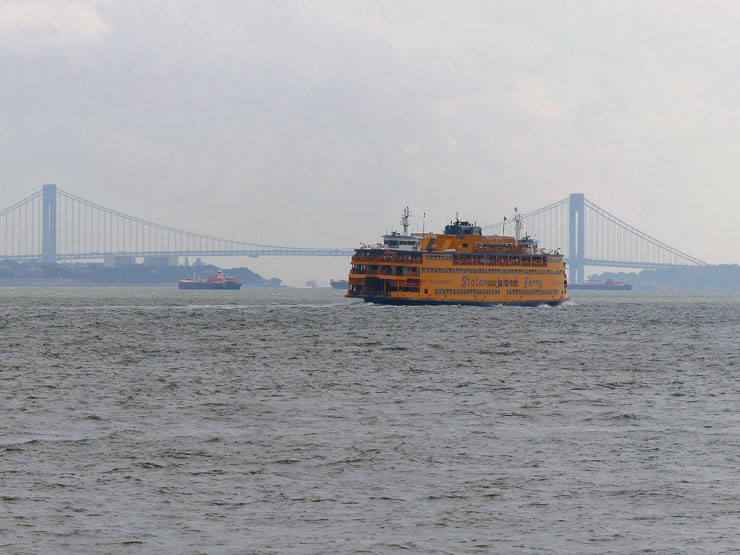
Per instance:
x=405, y=220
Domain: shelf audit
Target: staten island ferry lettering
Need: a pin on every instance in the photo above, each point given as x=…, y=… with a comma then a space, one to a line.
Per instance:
x=459, y=266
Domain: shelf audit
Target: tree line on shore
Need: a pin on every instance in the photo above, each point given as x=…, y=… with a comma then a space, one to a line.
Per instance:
x=130, y=274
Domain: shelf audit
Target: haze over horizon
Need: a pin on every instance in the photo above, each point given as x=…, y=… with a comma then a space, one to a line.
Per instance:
x=314, y=124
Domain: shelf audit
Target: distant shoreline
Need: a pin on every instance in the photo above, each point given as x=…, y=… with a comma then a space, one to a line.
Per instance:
x=30, y=274
x=722, y=277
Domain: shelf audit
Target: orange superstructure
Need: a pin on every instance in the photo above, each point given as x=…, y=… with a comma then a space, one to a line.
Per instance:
x=459, y=266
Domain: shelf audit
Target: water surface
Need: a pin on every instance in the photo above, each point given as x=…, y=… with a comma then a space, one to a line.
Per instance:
x=291, y=421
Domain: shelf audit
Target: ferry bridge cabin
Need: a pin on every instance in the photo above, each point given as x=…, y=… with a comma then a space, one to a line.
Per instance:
x=459, y=266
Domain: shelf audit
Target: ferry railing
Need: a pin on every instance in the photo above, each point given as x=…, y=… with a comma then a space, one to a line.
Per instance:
x=388, y=271
x=395, y=259
x=515, y=261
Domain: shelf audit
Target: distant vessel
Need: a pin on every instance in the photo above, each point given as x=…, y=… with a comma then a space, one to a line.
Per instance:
x=597, y=285
x=214, y=282
x=311, y=283
x=459, y=266
x=339, y=284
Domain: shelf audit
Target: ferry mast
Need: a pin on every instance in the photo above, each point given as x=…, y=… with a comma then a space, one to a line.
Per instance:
x=405, y=217
x=517, y=224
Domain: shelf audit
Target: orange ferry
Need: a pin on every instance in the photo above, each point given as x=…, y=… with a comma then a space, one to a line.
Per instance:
x=459, y=266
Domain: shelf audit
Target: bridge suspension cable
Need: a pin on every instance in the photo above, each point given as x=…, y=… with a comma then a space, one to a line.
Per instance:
x=20, y=229
x=549, y=225
x=611, y=241
x=601, y=239
x=58, y=225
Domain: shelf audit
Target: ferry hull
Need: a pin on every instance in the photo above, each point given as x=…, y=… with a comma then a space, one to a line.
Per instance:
x=421, y=302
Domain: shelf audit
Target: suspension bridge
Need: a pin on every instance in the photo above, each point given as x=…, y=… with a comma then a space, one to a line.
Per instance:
x=52, y=225
x=591, y=236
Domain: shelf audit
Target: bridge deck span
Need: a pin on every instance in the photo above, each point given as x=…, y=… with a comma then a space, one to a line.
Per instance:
x=55, y=225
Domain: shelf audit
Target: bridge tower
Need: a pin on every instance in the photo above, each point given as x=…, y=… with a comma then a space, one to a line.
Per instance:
x=576, y=251
x=49, y=224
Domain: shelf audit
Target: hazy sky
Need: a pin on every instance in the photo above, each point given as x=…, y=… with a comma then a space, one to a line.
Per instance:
x=313, y=123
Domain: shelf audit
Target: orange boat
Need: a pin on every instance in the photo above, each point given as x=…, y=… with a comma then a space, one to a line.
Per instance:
x=459, y=266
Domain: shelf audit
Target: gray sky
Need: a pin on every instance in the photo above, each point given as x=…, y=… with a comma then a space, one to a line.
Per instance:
x=313, y=123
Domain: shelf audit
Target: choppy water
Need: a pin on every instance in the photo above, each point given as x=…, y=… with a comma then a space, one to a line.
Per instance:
x=165, y=421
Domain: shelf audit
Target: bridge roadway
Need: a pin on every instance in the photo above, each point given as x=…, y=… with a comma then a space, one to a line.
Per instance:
x=55, y=225
x=252, y=253
x=300, y=252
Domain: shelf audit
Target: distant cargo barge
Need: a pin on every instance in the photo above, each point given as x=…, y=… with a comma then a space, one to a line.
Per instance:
x=214, y=282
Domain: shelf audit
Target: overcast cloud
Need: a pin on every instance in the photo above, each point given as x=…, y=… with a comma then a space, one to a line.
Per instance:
x=314, y=123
